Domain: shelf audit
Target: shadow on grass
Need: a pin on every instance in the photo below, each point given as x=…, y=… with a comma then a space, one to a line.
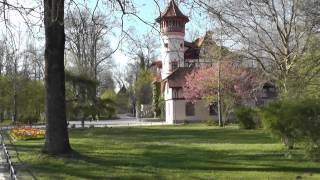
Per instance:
x=235, y=136
x=155, y=153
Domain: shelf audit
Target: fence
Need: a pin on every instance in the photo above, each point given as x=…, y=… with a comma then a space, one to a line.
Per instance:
x=8, y=159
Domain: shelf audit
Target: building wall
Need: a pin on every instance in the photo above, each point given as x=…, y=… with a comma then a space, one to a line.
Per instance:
x=176, y=112
x=167, y=92
x=173, y=52
x=169, y=112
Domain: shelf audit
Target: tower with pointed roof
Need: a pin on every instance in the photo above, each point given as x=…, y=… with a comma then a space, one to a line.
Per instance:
x=172, y=26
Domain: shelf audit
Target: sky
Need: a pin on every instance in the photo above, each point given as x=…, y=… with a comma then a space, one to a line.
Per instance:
x=146, y=10
x=149, y=11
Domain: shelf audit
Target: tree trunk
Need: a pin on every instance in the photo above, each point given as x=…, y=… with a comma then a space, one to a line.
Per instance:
x=82, y=122
x=1, y=116
x=288, y=141
x=57, y=139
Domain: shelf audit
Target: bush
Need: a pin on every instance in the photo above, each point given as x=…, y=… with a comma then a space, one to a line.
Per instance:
x=312, y=151
x=293, y=120
x=29, y=119
x=279, y=119
x=211, y=122
x=186, y=122
x=247, y=117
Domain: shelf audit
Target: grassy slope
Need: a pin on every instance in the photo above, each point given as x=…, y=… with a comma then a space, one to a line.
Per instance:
x=173, y=152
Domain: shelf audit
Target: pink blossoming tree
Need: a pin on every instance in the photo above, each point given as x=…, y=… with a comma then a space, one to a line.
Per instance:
x=237, y=85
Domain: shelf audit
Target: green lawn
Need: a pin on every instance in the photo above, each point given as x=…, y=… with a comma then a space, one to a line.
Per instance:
x=170, y=152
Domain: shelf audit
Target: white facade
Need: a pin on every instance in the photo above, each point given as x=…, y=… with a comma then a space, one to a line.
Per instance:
x=176, y=105
x=172, y=23
x=172, y=51
x=176, y=112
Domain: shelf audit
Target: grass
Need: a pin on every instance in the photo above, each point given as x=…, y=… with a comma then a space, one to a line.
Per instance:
x=170, y=152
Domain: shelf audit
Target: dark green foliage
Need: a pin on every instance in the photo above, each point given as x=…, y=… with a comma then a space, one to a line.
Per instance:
x=82, y=102
x=105, y=107
x=247, y=118
x=211, y=122
x=157, y=98
x=279, y=118
x=122, y=100
x=25, y=119
x=294, y=120
x=29, y=99
x=143, y=88
x=5, y=96
x=162, y=106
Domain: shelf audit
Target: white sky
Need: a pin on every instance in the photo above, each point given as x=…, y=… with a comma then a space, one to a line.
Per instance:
x=147, y=10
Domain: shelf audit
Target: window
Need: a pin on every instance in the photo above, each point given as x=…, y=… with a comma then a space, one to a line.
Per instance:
x=213, y=108
x=175, y=93
x=181, y=45
x=174, y=65
x=166, y=45
x=189, y=109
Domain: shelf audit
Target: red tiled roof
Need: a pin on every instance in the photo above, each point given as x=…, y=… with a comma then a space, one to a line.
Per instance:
x=177, y=78
x=172, y=11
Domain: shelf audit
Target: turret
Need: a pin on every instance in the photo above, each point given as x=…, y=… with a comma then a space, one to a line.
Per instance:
x=172, y=26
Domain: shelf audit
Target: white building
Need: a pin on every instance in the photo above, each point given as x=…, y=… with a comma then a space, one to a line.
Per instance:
x=178, y=58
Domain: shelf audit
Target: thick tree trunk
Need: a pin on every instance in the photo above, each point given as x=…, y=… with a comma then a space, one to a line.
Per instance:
x=57, y=139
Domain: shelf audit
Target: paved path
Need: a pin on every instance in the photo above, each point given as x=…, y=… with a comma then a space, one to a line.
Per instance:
x=4, y=172
x=123, y=121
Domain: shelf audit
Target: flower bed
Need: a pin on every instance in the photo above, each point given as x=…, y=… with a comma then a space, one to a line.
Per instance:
x=27, y=133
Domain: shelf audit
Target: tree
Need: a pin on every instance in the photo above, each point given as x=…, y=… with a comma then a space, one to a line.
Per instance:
x=237, y=85
x=293, y=120
x=305, y=77
x=30, y=101
x=87, y=46
x=57, y=138
x=5, y=96
x=272, y=33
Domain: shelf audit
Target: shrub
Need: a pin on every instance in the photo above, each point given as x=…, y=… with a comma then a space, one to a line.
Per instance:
x=313, y=151
x=29, y=119
x=211, y=122
x=247, y=118
x=279, y=119
x=186, y=122
x=293, y=120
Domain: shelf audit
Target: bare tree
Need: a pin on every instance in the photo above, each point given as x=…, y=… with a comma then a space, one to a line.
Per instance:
x=86, y=39
x=33, y=62
x=143, y=47
x=273, y=33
